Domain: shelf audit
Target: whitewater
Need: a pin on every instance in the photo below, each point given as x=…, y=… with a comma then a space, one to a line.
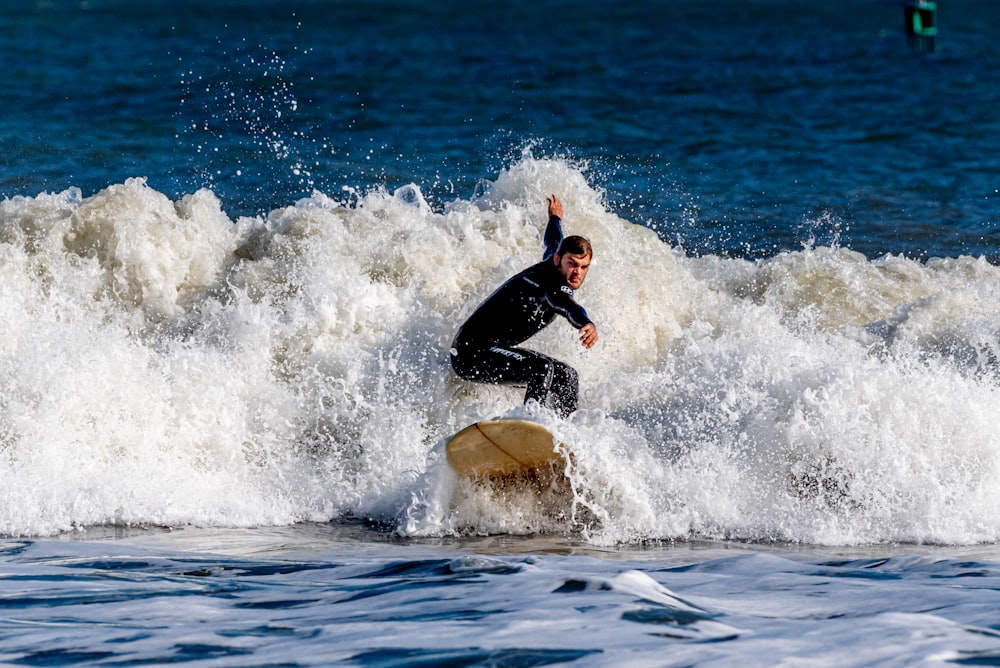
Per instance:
x=165, y=365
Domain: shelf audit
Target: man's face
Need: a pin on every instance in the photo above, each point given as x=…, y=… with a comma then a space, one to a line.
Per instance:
x=573, y=268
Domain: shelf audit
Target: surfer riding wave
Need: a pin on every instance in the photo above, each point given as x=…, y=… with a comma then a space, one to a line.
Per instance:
x=487, y=348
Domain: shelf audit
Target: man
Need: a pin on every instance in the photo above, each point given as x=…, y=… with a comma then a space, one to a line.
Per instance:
x=486, y=348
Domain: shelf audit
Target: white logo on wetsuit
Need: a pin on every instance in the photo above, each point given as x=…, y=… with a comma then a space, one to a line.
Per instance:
x=508, y=353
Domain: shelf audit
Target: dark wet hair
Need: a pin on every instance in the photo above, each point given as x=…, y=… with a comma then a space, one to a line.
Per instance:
x=575, y=245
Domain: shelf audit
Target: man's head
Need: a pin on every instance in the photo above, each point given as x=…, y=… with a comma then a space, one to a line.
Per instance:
x=573, y=260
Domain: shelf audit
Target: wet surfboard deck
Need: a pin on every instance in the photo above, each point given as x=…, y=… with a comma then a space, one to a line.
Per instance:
x=502, y=449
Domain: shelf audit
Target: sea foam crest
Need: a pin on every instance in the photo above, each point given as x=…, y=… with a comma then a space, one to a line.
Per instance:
x=164, y=364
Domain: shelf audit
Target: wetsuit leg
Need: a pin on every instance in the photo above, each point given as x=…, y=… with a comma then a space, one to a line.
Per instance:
x=564, y=388
x=543, y=376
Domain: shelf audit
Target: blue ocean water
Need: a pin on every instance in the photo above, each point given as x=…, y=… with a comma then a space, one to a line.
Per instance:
x=236, y=239
x=347, y=602
x=737, y=127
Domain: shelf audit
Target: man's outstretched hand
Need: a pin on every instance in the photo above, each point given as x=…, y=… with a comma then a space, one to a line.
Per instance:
x=555, y=206
x=588, y=336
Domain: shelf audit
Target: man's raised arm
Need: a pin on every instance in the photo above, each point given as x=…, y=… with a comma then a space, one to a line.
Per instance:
x=553, y=231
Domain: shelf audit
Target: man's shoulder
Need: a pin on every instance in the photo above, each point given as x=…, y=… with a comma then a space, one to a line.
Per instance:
x=535, y=271
x=542, y=274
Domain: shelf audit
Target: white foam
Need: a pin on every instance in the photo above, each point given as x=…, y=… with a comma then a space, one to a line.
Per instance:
x=163, y=364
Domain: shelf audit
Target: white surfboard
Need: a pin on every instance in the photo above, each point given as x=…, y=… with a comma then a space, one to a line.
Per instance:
x=493, y=449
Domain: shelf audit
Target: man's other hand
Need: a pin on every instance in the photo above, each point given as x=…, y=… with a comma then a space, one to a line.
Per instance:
x=588, y=336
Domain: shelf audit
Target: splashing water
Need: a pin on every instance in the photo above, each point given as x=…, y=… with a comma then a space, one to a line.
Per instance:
x=165, y=365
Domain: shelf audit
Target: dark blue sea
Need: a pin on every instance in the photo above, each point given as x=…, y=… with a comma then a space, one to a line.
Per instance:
x=236, y=239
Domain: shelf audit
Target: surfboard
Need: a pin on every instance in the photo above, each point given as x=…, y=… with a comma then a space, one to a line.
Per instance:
x=504, y=448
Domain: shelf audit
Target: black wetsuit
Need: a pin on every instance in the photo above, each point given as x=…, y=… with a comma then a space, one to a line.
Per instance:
x=486, y=346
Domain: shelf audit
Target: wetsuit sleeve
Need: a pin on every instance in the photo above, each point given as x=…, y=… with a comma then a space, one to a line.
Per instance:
x=553, y=237
x=564, y=304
